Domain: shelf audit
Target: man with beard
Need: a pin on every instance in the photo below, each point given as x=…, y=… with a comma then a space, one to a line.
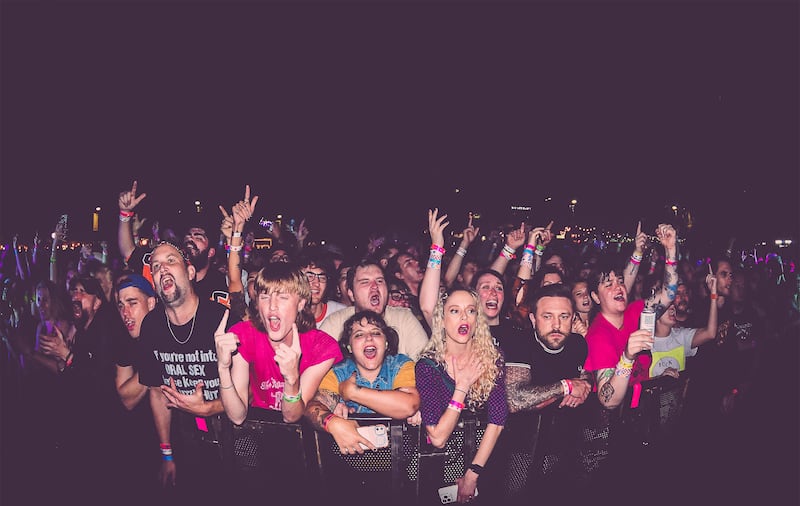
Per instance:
x=177, y=361
x=545, y=375
x=209, y=282
x=366, y=284
x=85, y=402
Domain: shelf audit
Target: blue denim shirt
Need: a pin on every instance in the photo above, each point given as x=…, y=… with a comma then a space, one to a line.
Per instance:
x=391, y=366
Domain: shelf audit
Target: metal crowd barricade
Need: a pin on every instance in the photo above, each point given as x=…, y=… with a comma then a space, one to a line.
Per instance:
x=659, y=410
x=410, y=470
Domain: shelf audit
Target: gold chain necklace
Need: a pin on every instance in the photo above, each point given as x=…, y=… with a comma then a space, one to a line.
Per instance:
x=191, y=331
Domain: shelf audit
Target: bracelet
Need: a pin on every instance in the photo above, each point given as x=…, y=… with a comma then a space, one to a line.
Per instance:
x=462, y=391
x=539, y=247
x=227, y=387
x=530, y=246
x=235, y=249
x=455, y=405
x=237, y=234
x=293, y=398
x=124, y=219
x=635, y=260
x=569, y=384
x=166, y=452
x=326, y=420
x=461, y=252
x=713, y=296
x=52, y=260
x=564, y=388
x=126, y=214
x=622, y=372
x=68, y=360
x=435, y=247
x=670, y=262
x=538, y=252
x=508, y=253
x=475, y=468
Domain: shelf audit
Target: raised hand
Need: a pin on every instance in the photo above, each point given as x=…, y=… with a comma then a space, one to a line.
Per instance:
x=436, y=226
x=667, y=235
x=226, y=227
x=225, y=342
x=129, y=200
x=469, y=234
x=516, y=237
x=640, y=241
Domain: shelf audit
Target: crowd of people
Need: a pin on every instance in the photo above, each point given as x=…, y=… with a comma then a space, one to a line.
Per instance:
x=123, y=366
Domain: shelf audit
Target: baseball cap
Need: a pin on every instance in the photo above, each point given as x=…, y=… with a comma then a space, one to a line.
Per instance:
x=137, y=281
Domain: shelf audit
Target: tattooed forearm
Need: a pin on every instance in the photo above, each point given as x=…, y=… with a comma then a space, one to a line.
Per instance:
x=328, y=399
x=522, y=397
x=316, y=413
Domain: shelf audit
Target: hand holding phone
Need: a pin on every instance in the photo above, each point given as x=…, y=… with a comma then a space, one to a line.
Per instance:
x=376, y=434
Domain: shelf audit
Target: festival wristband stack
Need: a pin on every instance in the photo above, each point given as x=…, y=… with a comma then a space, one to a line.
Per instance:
x=527, y=256
x=671, y=262
x=125, y=216
x=455, y=405
x=539, y=250
x=508, y=252
x=435, y=259
x=636, y=258
x=166, y=452
x=462, y=252
x=624, y=367
x=566, y=385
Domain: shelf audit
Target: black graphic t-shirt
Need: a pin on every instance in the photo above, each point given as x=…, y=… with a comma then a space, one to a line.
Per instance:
x=161, y=356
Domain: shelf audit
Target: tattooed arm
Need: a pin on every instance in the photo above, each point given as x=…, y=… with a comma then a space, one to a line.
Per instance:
x=319, y=411
x=666, y=234
x=522, y=396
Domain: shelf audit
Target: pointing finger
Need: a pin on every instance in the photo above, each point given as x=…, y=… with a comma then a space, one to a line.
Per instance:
x=295, y=339
x=223, y=323
x=639, y=227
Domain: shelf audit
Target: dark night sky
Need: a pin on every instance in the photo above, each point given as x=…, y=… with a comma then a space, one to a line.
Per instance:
x=359, y=116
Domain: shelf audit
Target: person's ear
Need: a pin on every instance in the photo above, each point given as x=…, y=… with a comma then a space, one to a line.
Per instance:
x=595, y=298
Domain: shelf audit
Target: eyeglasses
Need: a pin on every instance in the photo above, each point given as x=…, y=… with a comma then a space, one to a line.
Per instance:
x=321, y=277
x=398, y=295
x=279, y=258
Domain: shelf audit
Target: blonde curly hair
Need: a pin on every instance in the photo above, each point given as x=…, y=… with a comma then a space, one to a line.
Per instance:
x=482, y=344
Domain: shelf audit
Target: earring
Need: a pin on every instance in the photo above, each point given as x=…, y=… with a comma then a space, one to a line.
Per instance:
x=349, y=349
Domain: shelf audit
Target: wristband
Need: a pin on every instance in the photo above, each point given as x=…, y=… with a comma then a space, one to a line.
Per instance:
x=635, y=260
x=237, y=234
x=461, y=252
x=235, y=249
x=455, y=405
x=564, y=388
x=292, y=398
x=539, y=247
x=670, y=262
x=69, y=359
x=326, y=420
x=475, y=468
x=124, y=219
x=438, y=248
x=713, y=296
x=126, y=214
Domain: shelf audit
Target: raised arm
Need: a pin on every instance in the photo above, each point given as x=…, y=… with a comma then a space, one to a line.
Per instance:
x=429, y=289
x=468, y=235
x=668, y=237
x=632, y=269
x=514, y=239
x=127, y=201
x=704, y=335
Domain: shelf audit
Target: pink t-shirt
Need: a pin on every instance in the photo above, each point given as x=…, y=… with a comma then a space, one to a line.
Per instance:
x=606, y=343
x=266, y=380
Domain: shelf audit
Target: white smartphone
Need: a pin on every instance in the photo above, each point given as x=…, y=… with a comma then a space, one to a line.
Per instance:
x=449, y=493
x=376, y=434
